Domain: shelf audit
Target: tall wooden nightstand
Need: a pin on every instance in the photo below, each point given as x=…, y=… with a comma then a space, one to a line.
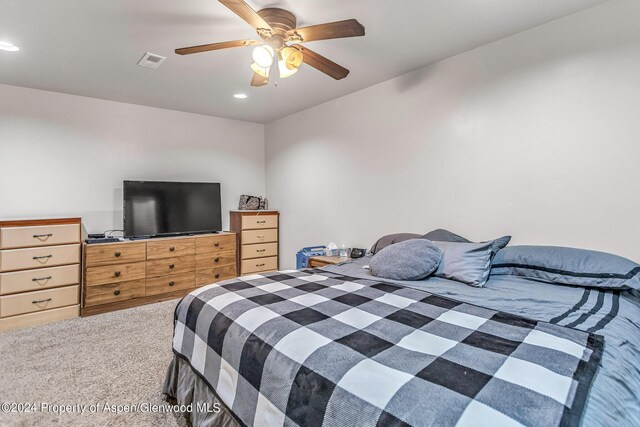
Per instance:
x=323, y=261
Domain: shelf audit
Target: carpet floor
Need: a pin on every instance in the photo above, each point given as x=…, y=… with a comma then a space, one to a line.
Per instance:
x=117, y=358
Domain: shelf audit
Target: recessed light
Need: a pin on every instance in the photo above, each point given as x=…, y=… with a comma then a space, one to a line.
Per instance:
x=8, y=47
x=240, y=96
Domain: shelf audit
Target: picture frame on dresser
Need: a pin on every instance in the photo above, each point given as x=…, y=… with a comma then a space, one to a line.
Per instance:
x=39, y=271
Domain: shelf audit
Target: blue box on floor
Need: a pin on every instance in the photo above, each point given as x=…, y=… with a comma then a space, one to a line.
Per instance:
x=302, y=257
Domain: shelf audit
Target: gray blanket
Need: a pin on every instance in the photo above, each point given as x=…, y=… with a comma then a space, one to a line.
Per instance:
x=614, y=398
x=322, y=348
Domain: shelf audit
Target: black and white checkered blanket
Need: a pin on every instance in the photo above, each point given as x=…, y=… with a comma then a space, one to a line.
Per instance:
x=314, y=348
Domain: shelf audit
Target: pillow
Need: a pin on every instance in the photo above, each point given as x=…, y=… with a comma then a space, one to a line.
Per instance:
x=413, y=259
x=442, y=235
x=390, y=239
x=568, y=266
x=469, y=263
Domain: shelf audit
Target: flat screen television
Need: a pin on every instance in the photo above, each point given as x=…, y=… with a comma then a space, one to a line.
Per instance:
x=154, y=208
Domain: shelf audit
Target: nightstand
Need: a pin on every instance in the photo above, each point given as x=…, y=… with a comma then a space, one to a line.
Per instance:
x=323, y=261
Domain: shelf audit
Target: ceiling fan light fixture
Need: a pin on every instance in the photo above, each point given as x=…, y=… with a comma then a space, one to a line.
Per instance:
x=284, y=69
x=293, y=57
x=263, y=55
x=261, y=71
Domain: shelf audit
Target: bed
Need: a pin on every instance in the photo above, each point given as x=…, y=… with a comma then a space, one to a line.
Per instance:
x=338, y=346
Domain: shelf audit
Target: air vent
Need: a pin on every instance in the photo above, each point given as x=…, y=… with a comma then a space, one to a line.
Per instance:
x=151, y=60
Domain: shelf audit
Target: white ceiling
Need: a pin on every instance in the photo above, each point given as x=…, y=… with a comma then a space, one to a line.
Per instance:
x=91, y=47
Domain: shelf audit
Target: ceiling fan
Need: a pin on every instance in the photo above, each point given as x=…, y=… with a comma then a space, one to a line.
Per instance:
x=281, y=40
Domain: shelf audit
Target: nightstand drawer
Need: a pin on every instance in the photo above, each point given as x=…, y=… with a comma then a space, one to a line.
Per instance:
x=114, y=273
x=46, y=256
x=225, y=242
x=29, y=302
x=160, y=267
x=115, y=253
x=171, y=248
x=46, y=235
x=114, y=292
x=163, y=285
x=215, y=259
x=212, y=275
x=257, y=222
x=259, y=250
x=259, y=236
x=41, y=278
x=259, y=264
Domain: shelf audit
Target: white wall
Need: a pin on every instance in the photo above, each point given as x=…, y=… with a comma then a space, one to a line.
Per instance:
x=68, y=155
x=536, y=135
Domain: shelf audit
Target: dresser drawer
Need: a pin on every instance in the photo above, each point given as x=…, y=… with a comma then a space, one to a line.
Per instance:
x=47, y=256
x=114, y=273
x=257, y=222
x=41, y=278
x=39, y=317
x=215, y=259
x=226, y=242
x=30, y=302
x=160, y=267
x=259, y=236
x=259, y=250
x=170, y=248
x=259, y=264
x=174, y=282
x=46, y=235
x=119, y=253
x=113, y=292
x=212, y=275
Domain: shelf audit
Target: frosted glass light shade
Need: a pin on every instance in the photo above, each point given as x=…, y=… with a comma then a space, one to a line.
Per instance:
x=263, y=55
x=263, y=72
x=285, y=71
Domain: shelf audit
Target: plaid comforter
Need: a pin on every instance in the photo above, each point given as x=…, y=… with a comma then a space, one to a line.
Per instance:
x=315, y=348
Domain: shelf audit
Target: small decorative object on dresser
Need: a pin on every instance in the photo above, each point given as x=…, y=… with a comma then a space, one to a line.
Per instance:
x=257, y=240
x=39, y=271
x=252, y=203
x=132, y=273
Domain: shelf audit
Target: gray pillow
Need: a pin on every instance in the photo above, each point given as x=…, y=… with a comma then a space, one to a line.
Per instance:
x=568, y=266
x=442, y=235
x=413, y=259
x=390, y=239
x=469, y=263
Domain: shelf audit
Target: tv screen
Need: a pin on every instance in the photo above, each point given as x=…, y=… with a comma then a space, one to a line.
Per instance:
x=153, y=208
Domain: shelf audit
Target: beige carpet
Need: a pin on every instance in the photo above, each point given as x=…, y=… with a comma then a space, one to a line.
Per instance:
x=116, y=358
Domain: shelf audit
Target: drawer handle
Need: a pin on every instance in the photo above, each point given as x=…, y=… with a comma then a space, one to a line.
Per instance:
x=172, y=248
x=217, y=276
x=116, y=292
x=117, y=273
x=216, y=244
x=216, y=259
x=43, y=257
x=40, y=279
x=172, y=266
x=260, y=237
x=172, y=283
x=260, y=265
x=42, y=236
x=260, y=250
x=117, y=254
x=40, y=301
x=261, y=222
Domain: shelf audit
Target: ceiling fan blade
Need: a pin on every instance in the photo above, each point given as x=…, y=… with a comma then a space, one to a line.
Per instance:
x=258, y=80
x=244, y=11
x=323, y=64
x=216, y=46
x=332, y=30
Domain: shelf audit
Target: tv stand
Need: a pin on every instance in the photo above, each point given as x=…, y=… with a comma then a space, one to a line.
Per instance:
x=146, y=270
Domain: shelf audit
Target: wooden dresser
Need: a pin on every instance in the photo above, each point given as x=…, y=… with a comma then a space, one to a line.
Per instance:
x=257, y=240
x=127, y=274
x=39, y=271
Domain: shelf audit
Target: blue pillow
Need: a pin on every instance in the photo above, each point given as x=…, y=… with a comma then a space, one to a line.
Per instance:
x=469, y=263
x=391, y=239
x=568, y=266
x=413, y=259
x=441, y=235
